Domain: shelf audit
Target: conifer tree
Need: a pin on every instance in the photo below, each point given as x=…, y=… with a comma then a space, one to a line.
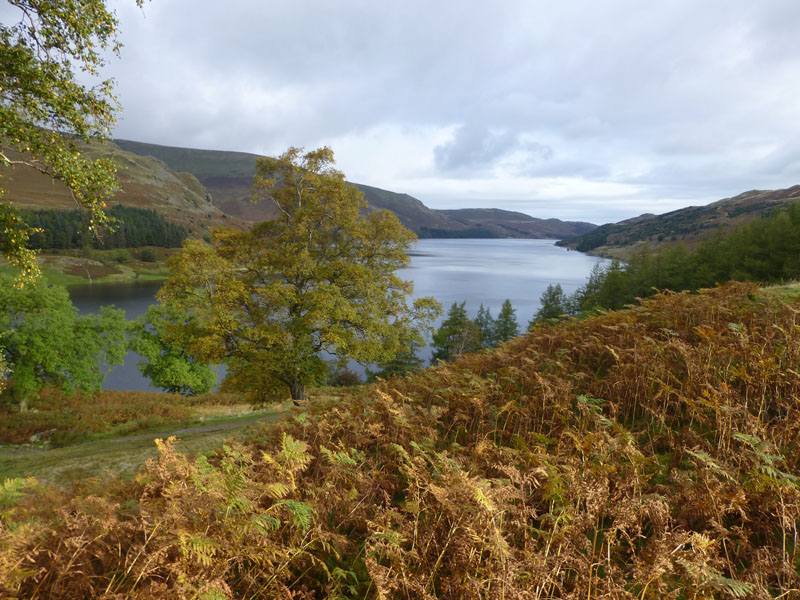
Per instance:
x=505, y=326
x=456, y=335
x=554, y=304
x=486, y=323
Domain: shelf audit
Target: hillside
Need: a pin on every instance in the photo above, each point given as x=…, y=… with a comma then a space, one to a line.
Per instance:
x=647, y=453
x=689, y=225
x=145, y=182
x=228, y=177
x=505, y=223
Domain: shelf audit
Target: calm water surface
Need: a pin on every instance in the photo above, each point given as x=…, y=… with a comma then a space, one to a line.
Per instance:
x=478, y=271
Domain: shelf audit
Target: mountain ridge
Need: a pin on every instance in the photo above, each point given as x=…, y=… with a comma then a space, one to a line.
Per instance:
x=688, y=225
x=228, y=176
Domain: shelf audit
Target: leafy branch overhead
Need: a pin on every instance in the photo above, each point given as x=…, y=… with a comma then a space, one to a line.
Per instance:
x=46, y=111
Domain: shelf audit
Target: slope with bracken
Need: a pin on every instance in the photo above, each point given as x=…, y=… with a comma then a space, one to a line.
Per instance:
x=645, y=453
x=144, y=182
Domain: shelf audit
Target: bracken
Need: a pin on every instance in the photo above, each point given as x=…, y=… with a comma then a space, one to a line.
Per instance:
x=645, y=453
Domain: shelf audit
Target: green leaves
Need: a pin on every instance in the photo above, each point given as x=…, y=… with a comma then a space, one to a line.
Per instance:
x=45, y=109
x=44, y=340
x=160, y=336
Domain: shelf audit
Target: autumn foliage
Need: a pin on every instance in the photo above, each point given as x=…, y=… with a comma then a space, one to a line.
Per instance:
x=645, y=453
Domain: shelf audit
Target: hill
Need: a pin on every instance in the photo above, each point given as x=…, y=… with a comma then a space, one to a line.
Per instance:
x=228, y=176
x=645, y=453
x=689, y=225
x=505, y=223
x=145, y=182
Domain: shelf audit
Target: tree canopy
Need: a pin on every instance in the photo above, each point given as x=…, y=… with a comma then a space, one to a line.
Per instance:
x=44, y=341
x=46, y=109
x=319, y=278
x=158, y=337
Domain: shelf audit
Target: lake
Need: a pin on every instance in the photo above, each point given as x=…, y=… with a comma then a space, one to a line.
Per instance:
x=479, y=271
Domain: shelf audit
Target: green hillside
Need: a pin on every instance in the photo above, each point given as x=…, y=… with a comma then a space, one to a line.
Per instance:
x=688, y=225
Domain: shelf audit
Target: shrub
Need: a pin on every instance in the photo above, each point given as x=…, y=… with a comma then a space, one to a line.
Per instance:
x=148, y=255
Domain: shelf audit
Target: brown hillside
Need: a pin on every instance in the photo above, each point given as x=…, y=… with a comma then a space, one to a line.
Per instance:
x=145, y=182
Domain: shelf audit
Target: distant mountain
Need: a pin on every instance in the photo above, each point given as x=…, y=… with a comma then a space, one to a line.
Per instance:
x=228, y=176
x=688, y=225
x=506, y=223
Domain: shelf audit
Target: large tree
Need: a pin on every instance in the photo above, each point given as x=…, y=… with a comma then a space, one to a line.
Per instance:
x=46, y=109
x=319, y=278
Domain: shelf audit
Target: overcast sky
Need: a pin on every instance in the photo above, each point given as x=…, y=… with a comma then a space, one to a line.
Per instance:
x=580, y=110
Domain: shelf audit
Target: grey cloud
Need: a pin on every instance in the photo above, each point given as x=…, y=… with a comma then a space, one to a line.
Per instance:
x=478, y=148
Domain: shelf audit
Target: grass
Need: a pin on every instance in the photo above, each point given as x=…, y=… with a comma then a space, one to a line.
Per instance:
x=73, y=267
x=71, y=418
x=120, y=456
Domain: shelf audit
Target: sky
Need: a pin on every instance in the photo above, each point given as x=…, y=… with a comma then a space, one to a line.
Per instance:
x=579, y=109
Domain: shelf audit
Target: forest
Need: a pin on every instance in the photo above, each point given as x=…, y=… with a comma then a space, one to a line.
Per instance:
x=765, y=250
x=132, y=227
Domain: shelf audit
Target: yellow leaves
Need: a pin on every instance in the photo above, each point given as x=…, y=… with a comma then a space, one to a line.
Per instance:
x=199, y=548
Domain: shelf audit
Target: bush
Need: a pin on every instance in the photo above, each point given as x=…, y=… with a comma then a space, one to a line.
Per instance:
x=122, y=255
x=147, y=255
x=343, y=377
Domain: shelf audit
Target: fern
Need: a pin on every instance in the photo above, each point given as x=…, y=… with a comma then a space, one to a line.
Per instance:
x=200, y=548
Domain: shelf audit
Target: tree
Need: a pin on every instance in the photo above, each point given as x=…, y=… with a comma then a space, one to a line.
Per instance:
x=158, y=336
x=318, y=278
x=456, y=335
x=485, y=323
x=45, y=109
x=403, y=363
x=44, y=341
x=505, y=326
x=554, y=305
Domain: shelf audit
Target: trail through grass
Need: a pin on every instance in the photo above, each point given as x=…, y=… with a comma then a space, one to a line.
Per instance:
x=120, y=456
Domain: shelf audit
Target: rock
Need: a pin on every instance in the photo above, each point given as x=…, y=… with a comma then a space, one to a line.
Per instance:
x=41, y=436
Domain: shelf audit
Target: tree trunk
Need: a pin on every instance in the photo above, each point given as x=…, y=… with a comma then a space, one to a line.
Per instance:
x=298, y=391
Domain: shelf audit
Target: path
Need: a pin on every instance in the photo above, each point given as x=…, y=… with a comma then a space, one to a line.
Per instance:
x=114, y=456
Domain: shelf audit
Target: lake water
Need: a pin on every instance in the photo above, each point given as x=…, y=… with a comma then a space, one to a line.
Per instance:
x=479, y=271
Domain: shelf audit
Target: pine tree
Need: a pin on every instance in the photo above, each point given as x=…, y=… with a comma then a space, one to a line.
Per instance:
x=554, y=305
x=456, y=335
x=485, y=322
x=505, y=326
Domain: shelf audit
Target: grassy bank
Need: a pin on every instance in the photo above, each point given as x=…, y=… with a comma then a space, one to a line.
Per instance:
x=66, y=438
x=77, y=267
x=63, y=418
x=106, y=456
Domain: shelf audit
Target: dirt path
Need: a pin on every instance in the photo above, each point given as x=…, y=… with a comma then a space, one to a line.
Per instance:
x=120, y=456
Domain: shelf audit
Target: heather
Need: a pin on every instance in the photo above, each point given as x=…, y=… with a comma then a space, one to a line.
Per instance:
x=645, y=453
